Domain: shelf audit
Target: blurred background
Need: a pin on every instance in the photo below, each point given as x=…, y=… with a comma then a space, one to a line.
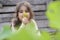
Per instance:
x=7, y=11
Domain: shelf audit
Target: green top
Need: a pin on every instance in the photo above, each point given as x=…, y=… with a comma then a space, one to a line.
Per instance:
x=31, y=24
x=26, y=32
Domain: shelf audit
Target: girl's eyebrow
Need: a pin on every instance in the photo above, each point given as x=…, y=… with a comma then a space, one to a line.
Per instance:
x=22, y=10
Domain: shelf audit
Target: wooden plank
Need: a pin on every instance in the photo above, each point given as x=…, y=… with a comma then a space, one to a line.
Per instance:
x=7, y=9
x=5, y=19
x=51, y=31
x=5, y=23
x=40, y=17
x=13, y=8
x=42, y=23
x=39, y=13
x=38, y=1
x=13, y=2
x=7, y=15
x=6, y=2
x=0, y=5
x=38, y=7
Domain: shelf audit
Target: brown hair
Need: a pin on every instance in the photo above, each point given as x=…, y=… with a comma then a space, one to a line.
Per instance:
x=18, y=22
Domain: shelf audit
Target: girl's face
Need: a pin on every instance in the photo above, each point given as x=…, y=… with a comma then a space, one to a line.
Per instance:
x=21, y=11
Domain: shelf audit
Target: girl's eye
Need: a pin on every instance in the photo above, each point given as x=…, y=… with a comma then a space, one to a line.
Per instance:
x=20, y=11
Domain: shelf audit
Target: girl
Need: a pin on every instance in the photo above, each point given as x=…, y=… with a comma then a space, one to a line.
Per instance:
x=20, y=20
x=24, y=26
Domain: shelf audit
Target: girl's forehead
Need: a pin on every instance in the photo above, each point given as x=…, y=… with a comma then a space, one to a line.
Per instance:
x=23, y=7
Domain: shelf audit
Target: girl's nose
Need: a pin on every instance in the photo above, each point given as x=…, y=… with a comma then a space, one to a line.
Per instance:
x=24, y=12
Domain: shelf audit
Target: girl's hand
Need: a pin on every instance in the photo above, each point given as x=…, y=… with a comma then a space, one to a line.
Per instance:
x=25, y=20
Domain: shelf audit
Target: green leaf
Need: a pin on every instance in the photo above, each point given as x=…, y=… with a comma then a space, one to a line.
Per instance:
x=5, y=32
x=53, y=14
x=45, y=36
x=57, y=35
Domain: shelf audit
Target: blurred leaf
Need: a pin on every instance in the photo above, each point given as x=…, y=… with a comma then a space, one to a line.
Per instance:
x=57, y=35
x=5, y=32
x=53, y=14
x=45, y=36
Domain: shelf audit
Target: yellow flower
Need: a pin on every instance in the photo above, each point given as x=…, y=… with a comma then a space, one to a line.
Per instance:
x=25, y=14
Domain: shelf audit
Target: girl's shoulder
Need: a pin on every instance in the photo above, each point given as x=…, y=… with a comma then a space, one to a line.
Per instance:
x=33, y=21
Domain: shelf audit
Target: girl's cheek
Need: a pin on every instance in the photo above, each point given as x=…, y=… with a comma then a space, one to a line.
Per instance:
x=28, y=15
x=20, y=16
